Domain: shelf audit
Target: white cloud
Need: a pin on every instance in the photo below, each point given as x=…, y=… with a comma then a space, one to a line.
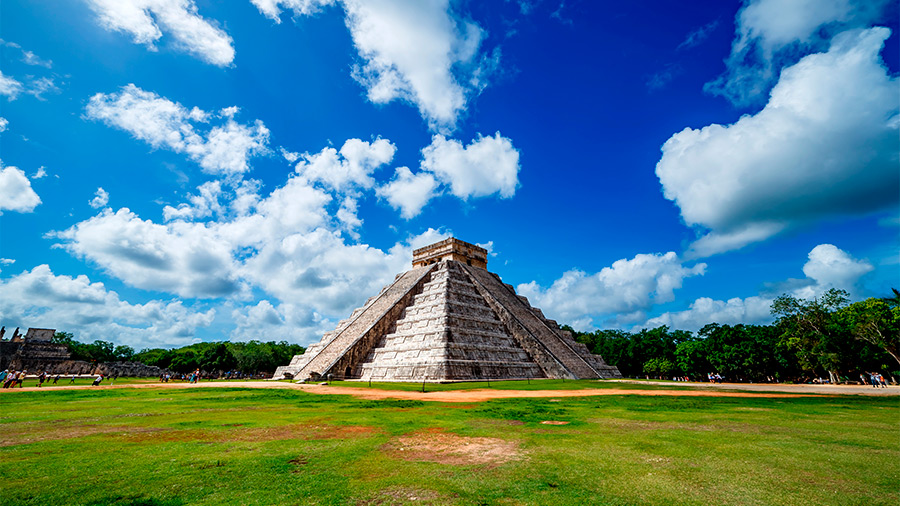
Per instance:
x=101, y=198
x=622, y=291
x=283, y=321
x=75, y=304
x=40, y=173
x=772, y=33
x=30, y=58
x=827, y=267
x=423, y=53
x=187, y=259
x=409, y=192
x=145, y=20
x=4, y=123
x=16, y=193
x=351, y=167
x=203, y=205
x=41, y=86
x=825, y=145
x=221, y=149
x=488, y=165
x=832, y=267
x=10, y=87
x=697, y=36
x=272, y=8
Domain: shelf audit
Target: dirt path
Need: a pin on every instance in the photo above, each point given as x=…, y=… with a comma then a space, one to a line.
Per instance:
x=484, y=394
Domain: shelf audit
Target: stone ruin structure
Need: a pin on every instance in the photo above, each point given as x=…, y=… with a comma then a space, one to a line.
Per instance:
x=35, y=352
x=447, y=319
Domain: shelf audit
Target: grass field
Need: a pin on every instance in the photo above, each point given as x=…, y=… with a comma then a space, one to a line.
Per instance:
x=216, y=446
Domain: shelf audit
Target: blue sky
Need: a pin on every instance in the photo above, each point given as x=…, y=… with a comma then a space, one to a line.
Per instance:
x=184, y=170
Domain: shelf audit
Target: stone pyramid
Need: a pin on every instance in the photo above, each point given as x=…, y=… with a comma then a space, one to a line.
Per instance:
x=447, y=319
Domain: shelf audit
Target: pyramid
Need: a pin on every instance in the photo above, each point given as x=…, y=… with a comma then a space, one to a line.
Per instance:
x=447, y=319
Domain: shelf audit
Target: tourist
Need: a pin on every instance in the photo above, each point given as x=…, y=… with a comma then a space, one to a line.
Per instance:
x=20, y=378
x=873, y=378
x=10, y=378
x=97, y=380
x=862, y=379
x=881, y=380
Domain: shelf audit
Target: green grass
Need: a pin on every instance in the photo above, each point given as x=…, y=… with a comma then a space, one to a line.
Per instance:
x=242, y=446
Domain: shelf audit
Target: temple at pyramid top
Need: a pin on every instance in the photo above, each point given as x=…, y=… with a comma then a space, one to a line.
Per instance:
x=447, y=319
x=451, y=249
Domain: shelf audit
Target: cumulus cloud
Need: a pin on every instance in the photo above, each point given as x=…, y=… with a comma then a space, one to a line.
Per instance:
x=10, y=87
x=409, y=192
x=221, y=149
x=145, y=21
x=827, y=267
x=770, y=34
x=623, y=291
x=187, y=259
x=284, y=243
x=423, y=53
x=101, y=198
x=91, y=311
x=16, y=193
x=825, y=145
x=350, y=167
x=4, y=123
x=486, y=166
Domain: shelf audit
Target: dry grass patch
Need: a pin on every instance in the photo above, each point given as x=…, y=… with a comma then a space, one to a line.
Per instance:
x=435, y=445
x=50, y=431
x=257, y=434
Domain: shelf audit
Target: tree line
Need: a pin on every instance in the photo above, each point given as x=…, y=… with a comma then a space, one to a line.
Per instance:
x=825, y=337
x=249, y=357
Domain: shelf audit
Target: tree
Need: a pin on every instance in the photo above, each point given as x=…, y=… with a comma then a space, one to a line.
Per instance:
x=816, y=333
x=217, y=358
x=875, y=321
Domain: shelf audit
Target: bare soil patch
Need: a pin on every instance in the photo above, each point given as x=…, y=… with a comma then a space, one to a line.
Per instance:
x=396, y=496
x=435, y=445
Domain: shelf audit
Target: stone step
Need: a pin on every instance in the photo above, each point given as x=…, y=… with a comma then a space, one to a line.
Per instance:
x=373, y=313
x=533, y=326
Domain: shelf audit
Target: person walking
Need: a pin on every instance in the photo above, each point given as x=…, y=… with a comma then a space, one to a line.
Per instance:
x=56, y=378
x=41, y=378
x=73, y=379
x=97, y=380
x=881, y=380
x=10, y=379
x=21, y=378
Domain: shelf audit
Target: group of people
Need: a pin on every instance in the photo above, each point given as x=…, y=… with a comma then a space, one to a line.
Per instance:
x=12, y=378
x=714, y=377
x=875, y=379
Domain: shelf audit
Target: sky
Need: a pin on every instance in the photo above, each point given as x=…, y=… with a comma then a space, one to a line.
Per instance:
x=176, y=171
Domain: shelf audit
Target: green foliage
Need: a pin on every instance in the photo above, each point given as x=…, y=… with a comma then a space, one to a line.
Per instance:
x=810, y=337
x=250, y=357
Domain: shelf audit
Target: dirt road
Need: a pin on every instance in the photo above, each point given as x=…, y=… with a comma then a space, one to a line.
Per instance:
x=483, y=394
